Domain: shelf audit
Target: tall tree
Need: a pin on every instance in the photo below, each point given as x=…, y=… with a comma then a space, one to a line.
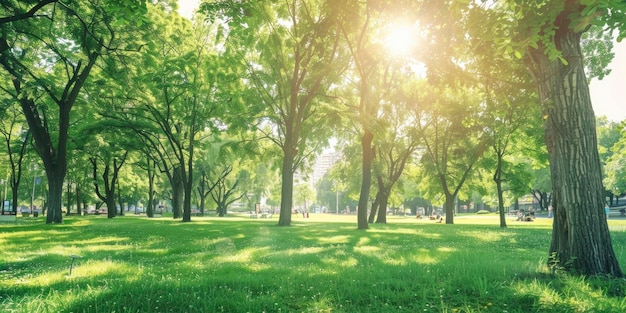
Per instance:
x=49, y=60
x=508, y=96
x=615, y=166
x=292, y=67
x=396, y=142
x=550, y=45
x=16, y=140
x=361, y=24
x=608, y=135
x=453, y=141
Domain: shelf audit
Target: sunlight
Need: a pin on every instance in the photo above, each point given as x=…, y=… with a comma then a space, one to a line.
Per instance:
x=400, y=39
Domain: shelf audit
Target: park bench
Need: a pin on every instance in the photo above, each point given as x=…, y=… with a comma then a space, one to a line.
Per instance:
x=8, y=218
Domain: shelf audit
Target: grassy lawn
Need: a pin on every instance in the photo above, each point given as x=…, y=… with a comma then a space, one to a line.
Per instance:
x=320, y=264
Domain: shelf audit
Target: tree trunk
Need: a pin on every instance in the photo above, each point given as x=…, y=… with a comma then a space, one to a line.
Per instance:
x=78, y=201
x=178, y=192
x=375, y=205
x=55, y=197
x=368, y=158
x=449, y=207
x=188, y=190
x=497, y=178
x=580, y=240
x=151, y=169
x=382, y=210
x=286, y=197
x=111, y=204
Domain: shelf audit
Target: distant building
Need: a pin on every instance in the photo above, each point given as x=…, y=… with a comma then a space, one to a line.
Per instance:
x=322, y=165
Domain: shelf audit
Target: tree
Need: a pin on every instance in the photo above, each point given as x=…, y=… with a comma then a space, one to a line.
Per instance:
x=49, y=60
x=16, y=140
x=294, y=64
x=550, y=45
x=608, y=135
x=362, y=25
x=615, y=167
x=184, y=91
x=508, y=94
x=396, y=143
x=453, y=142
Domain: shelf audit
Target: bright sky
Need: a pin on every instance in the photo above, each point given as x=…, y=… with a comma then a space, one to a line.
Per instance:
x=186, y=7
x=608, y=96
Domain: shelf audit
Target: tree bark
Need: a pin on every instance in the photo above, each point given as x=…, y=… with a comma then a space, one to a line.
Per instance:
x=375, y=205
x=580, y=240
x=449, y=207
x=286, y=197
x=368, y=158
x=381, y=218
x=497, y=178
x=178, y=192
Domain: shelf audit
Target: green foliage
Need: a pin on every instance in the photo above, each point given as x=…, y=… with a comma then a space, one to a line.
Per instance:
x=615, y=167
x=597, y=45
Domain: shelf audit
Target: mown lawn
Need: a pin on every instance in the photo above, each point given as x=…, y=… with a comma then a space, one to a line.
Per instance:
x=320, y=264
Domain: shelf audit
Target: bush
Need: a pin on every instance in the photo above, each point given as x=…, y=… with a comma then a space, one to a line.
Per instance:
x=483, y=212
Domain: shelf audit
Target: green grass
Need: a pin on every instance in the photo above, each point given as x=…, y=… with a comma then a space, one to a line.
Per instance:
x=320, y=264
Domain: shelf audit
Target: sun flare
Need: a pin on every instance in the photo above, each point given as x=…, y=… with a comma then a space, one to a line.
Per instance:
x=400, y=39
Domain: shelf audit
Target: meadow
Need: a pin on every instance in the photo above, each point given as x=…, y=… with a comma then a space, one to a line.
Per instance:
x=319, y=264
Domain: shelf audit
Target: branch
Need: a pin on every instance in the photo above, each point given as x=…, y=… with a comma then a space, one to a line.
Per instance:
x=30, y=13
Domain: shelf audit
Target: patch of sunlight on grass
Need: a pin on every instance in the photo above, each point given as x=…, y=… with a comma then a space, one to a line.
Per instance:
x=367, y=249
x=103, y=248
x=207, y=243
x=575, y=292
x=424, y=256
x=363, y=241
x=391, y=260
x=93, y=268
x=307, y=250
x=486, y=236
x=339, y=239
x=446, y=249
x=424, y=259
x=46, y=279
x=64, y=250
x=100, y=240
x=333, y=262
x=87, y=269
x=81, y=223
x=431, y=235
x=239, y=256
x=403, y=231
x=20, y=234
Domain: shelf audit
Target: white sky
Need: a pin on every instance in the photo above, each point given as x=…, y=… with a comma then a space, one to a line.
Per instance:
x=608, y=96
x=186, y=7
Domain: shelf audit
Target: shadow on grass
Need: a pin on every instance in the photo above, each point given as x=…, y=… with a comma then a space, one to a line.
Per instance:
x=213, y=265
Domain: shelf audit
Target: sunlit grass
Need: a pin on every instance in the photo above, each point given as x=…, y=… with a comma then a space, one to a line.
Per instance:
x=321, y=264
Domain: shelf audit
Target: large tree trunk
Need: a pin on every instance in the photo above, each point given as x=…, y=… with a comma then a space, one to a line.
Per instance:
x=368, y=159
x=580, y=239
x=111, y=204
x=55, y=196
